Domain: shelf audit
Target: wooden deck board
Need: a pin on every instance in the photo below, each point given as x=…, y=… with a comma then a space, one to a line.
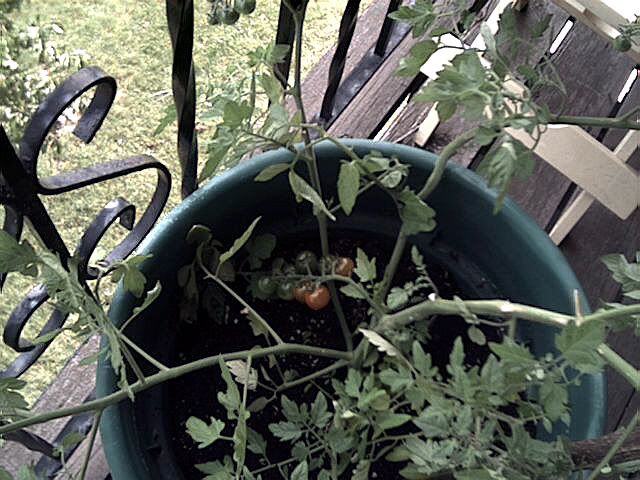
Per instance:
x=592, y=88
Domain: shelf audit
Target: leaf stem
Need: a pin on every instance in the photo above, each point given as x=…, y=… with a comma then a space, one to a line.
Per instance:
x=615, y=447
x=603, y=122
x=312, y=376
x=160, y=366
x=430, y=185
x=173, y=373
x=620, y=365
x=92, y=441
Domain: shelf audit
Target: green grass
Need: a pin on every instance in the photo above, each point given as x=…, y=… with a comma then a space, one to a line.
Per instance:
x=129, y=40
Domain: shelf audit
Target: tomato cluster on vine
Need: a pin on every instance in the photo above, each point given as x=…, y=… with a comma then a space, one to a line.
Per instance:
x=295, y=281
x=227, y=12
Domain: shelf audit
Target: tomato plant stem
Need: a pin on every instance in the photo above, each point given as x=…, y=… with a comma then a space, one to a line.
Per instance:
x=173, y=373
x=430, y=185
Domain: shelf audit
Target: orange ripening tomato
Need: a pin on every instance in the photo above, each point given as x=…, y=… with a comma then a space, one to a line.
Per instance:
x=317, y=299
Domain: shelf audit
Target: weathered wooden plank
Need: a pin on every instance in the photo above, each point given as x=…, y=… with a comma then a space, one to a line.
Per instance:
x=382, y=94
x=71, y=387
x=598, y=233
x=592, y=88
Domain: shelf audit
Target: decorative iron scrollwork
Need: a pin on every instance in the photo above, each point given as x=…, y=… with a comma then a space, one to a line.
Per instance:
x=20, y=187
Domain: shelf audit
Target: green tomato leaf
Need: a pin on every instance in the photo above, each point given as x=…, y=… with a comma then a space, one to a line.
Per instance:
x=238, y=244
x=202, y=433
x=301, y=472
x=271, y=171
x=14, y=256
x=365, y=268
x=418, y=55
x=388, y=420
x=303, y=190
x=348, y=185
x=510, y=160
x=416, y=215
x=132, y=279
x=231, y=398
x=352, y=292
x=286, y=431
x=397, y=298
x=579, y=344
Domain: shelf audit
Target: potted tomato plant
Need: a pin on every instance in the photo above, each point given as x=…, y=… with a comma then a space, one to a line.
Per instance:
x=320, y=310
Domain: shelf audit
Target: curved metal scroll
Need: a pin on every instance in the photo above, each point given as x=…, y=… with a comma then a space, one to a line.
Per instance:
x=20, y=188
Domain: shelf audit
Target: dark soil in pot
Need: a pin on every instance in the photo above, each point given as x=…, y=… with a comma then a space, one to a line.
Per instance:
x=228, y=330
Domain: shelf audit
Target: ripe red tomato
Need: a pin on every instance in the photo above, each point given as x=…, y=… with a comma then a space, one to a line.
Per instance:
x=300, y=291
x=317, y=299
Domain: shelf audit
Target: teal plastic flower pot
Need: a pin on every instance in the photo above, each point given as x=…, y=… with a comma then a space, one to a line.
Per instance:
x=509, y=249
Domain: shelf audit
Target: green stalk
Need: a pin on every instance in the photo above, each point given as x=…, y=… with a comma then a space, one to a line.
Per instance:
x=312, y=165
x=615, y=447
x=602, y=122
x=620, y=365
x=171, y=374
x=506, y=309
x=92, y=441
x=429, y=186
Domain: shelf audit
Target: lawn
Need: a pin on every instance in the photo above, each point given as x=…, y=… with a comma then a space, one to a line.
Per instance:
x=129, y=40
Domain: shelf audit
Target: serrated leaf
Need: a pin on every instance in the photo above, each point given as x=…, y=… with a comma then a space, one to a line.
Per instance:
x=256, y=442
x=579, y=344
x=258, y=404
x=398, y=454
x=365, y=268
x=170, y=115
x=286, y=431
x=216, y=470
x=272, y=87
x=510, y=352
x=239, y=369
x=319, y=414
x=410, y=65
x=416, y=215
x=231, y=398
x=271, y=171
x=301, y=472
x=554, y=398
x=378, y=341
x=389, y=420
x=303, y=190
x=202, y=433
x=14, y=256
x=510, y=160
x=133, y=279
x=237, y=245
x=397, y=297
x=348, y=186
x=352, y=291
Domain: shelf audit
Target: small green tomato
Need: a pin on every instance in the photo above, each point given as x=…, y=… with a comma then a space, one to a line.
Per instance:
x=244, y=7
x=306, y=262
x=227, y=15
x=622, y=44
x=285, y=290
x=267, y=286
